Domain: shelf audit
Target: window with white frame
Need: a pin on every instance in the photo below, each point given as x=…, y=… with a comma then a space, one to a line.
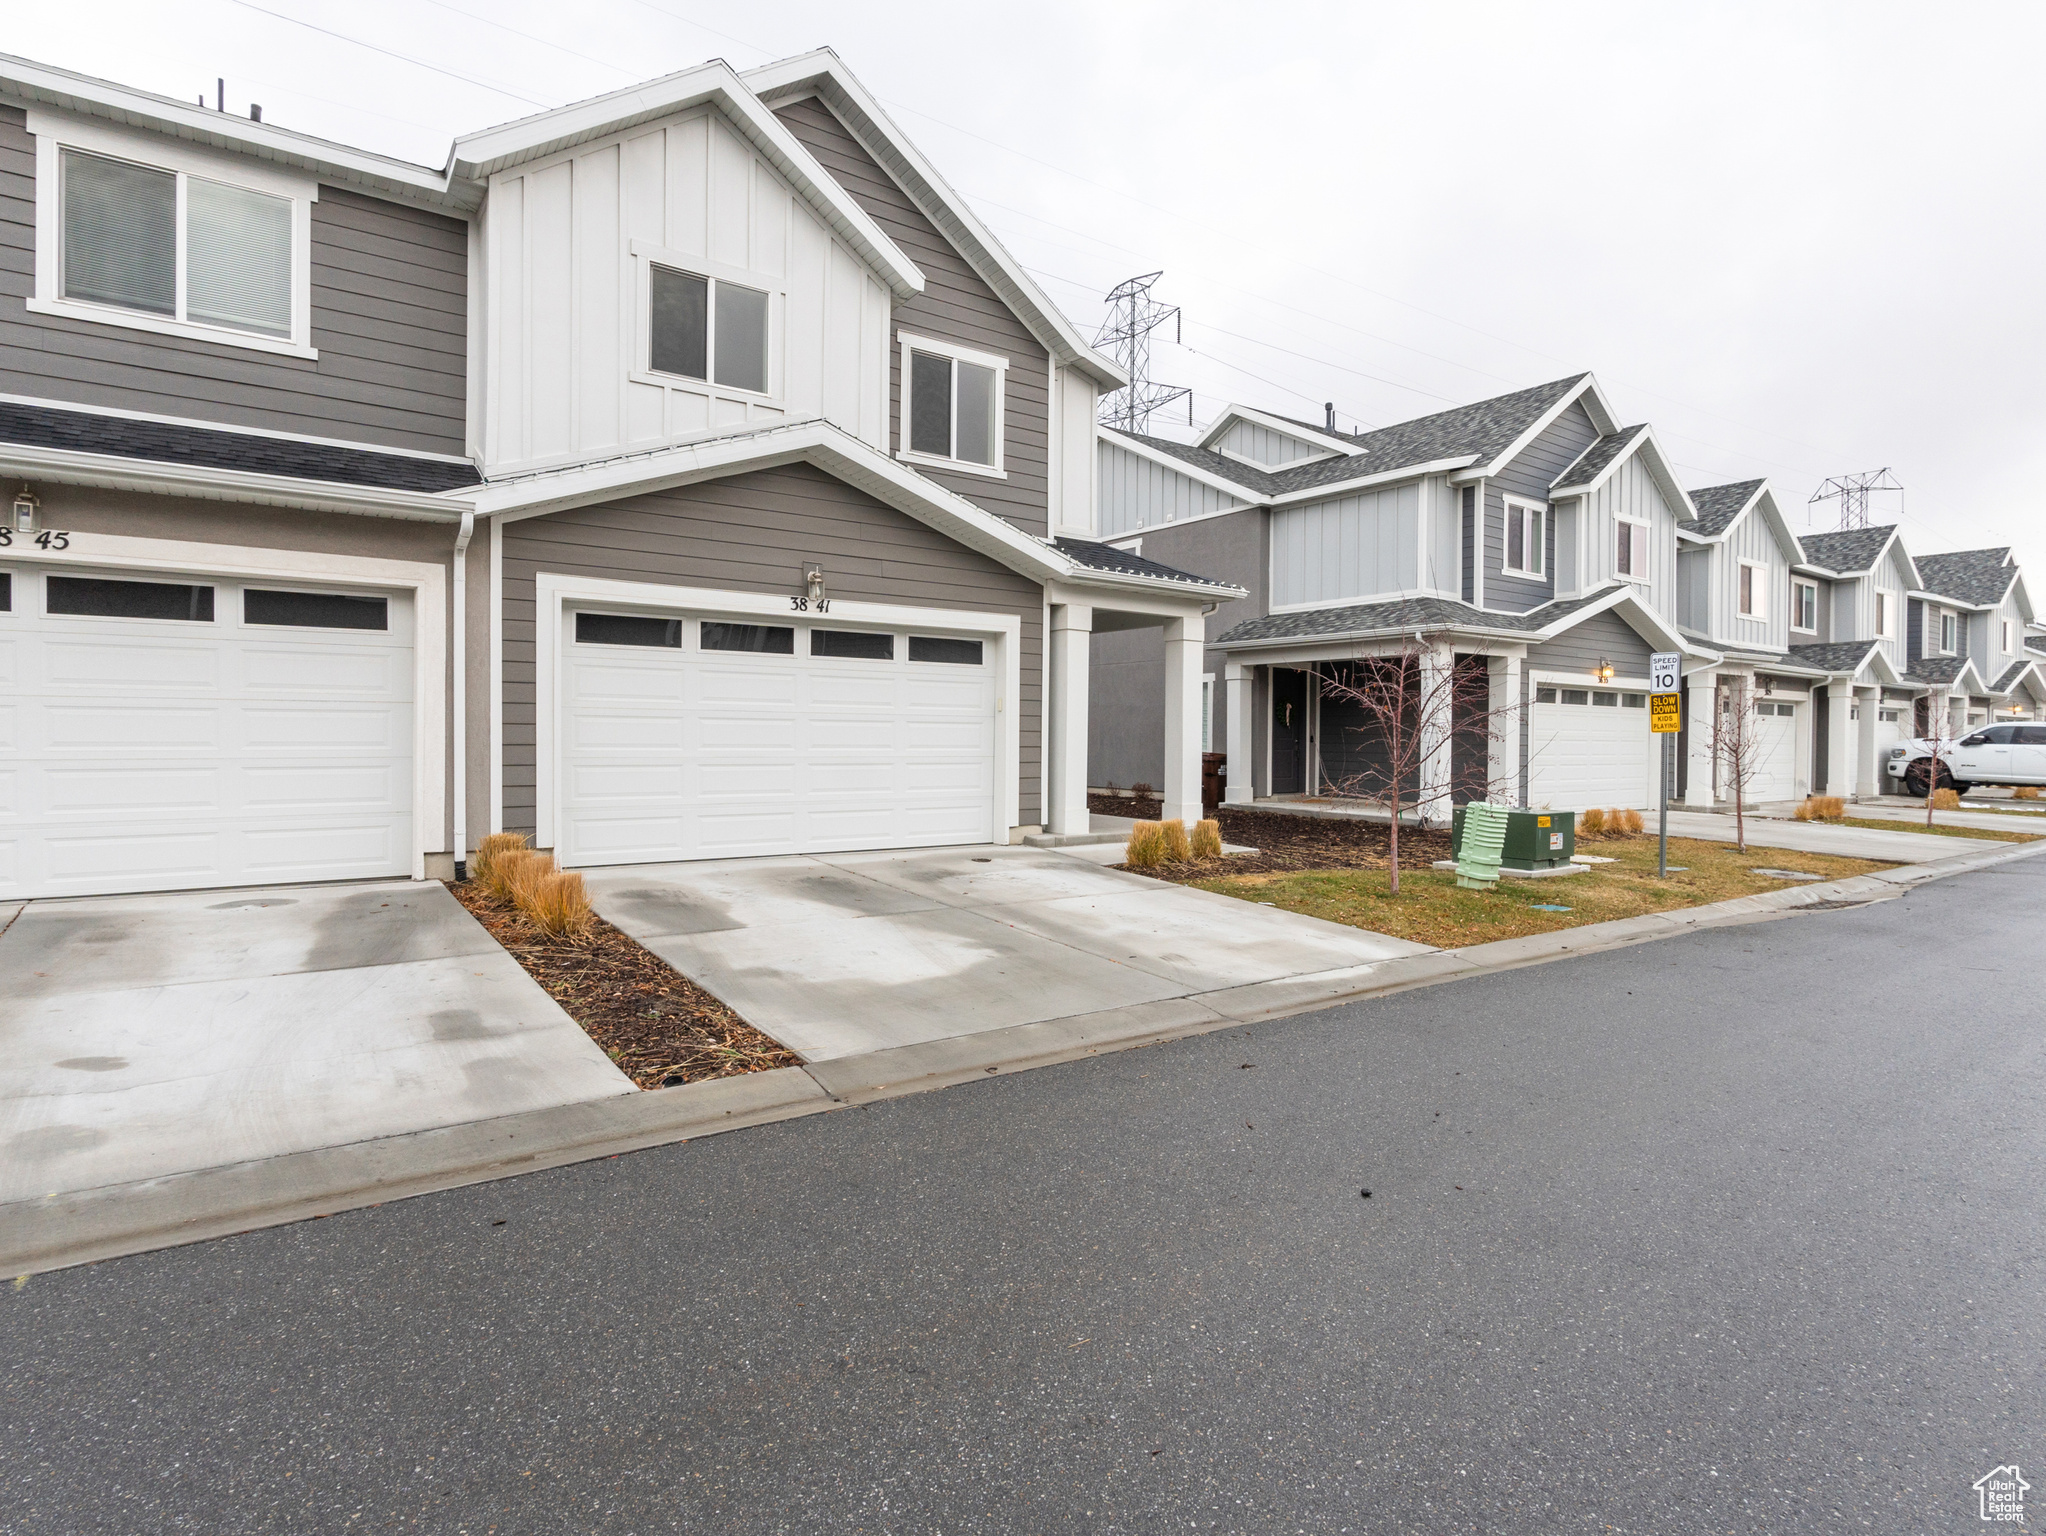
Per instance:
x=1753, y=587
x=706, y=328
x=1630, y=554
x=1804, y=606
x=1949, y=633
x=164, y=238
x=2006, y=637
x=951, y=405
x=1525, y=536
x=1883, y=615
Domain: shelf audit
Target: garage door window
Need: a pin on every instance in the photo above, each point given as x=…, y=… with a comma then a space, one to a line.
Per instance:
x=95, y=597
x=957, y=653
x=1634, y=700
x=627, y=629
x=315, y=610
x=1606, y=700
x=6, y=593
x=852, y=644
x=767, y=639
x=1576, y=696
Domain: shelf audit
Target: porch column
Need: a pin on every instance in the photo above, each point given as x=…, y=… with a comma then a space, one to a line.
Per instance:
x=1237, y=685
x=1185, y=640
x=1842, y=754
x=1867, y=770
x=1438, y=664
x=1065, y=758
x=1502, y=729
x=1704, y=731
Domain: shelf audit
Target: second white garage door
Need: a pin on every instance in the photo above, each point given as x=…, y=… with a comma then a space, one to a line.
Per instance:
x=694, y=737
x=1776, y=755
x=1589, y=747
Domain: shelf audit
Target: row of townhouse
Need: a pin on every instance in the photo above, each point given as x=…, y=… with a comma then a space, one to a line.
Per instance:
x=1529, y=553
x=683, y=473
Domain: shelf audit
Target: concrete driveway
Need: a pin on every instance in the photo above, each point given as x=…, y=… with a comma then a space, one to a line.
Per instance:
x=148, y=1035
x=843, y=953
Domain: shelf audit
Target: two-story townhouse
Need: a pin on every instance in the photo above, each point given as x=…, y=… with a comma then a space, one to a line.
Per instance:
x=1527, y=544
x=1973, y=603
x=681, y=473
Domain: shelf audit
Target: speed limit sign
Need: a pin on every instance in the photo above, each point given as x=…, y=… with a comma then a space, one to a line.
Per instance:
x=1663, y=667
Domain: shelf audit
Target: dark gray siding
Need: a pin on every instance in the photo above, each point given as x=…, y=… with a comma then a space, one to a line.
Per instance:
x=1914, y=629
x=754, y=533
x=1530, y=475
x=390, y=320
x=1468, y=545
x=1126, y=698
x=1603, y=635
x=954, y=306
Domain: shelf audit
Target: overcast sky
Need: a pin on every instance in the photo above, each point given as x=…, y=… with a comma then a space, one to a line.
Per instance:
x=1800, y=239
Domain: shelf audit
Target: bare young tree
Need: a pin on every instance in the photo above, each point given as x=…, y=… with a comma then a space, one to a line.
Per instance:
x=1413, y=707
x=1737, y=750
x=1938, y=735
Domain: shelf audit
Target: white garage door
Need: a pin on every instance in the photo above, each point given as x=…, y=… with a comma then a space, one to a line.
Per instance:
x=165, y=732
x=1589, y=747
x=1776, y=752
x=1893, y=722
x=693, y=737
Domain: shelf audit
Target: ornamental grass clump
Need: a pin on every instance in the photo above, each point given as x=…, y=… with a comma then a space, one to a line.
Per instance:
x=488, y=852
x=520, y=875
x=560, y=906
x=1946, y=800
x=1177, y=849
x=1630, y=821
x=2026, y=792
x=1821, y=808
x=1207, y=840
x=1146, y=848
x=1591, y=823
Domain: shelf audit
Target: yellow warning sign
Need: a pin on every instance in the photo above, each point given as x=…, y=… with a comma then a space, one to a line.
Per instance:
x=1665, y=714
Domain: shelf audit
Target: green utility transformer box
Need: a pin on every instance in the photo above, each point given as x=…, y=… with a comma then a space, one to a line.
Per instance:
x=1534, y=839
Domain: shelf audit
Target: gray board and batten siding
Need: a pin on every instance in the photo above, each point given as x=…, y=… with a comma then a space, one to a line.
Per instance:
x=754, y=533
x=1268, y=448
x=1134, y=493
x=956, y=306
x=1578, y=650
x=389, y=320
x=1530, y=475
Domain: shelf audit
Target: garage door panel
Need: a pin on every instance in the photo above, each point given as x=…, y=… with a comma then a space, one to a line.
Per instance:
x=144, y=658
x=334, y=672
x=133, y=727
x=725, y=780
x=970, y=778
x=624, y=781
x=104, y=791
x=11, y=651
x=309, y=852
x=337, y=787
x=331, y=727
x=601, y=683
x=722, y=734
x=747, y=685
x=939, y=735
x=745, y=831
x=833, y=778
x=1585, y=755
x=132, y=860
x=606, y=730
x=924, y=690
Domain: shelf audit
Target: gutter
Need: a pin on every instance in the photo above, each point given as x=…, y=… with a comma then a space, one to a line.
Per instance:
x=107, y=471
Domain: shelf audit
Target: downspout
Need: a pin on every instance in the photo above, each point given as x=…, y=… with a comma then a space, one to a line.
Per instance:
x=458, y=608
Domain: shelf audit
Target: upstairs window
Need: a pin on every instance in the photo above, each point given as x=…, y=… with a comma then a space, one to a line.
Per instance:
x=2006, y=637
x=1525, y=537
x=1804, y=605
x=1882, y=615
x=1630, y=555
x=1754, y=582
x=1949, y=633
x=952, y=406
x=706, y=328
x=189, y=252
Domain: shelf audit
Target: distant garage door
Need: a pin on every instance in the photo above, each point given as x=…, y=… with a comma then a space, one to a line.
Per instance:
x=166, y=731
x=1776, y=752
x=692, y=736
x=1588, y=747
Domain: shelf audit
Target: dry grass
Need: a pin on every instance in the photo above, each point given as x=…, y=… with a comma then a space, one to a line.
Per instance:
x=1946, y=800
x=1820, y=808
x=2026, y=792
x=1629, y=819
x=560, y=906
x=519, y=875
x=1207, y=840
x=494, y=847
x=1178, y=850
x=1591, y=823
x=1936, y=829
x=1430, y=908
x=1146, y=848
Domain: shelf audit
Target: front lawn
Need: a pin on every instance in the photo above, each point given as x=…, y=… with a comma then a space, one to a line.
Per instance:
x=1431, y=909
x=1937, y=829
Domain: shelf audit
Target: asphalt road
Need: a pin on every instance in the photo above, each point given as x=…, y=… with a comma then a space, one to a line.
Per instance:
x=1735, y=1232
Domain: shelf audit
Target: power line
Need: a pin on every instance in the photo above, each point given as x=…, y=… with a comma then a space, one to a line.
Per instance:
x=389, y=54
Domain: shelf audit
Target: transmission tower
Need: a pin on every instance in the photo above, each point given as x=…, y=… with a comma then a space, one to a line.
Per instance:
x=1852, y=492
x=1126, y=336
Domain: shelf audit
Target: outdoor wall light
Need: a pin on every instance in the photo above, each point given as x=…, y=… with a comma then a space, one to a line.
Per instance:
x=25, y=511
x=813, y=582
x=1603, y=671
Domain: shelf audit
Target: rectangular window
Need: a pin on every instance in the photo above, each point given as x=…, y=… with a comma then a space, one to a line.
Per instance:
x=953, y=408
x=1753, y=582
x=1634, y=700
x=627, y=629
x=2006, y=637
x=99, y=598
x=1804, y=605
x=1545, y=695
x=1948, y=631
x=1631, y=550
x=315, y=610
x=1882, y=614
x=939, y=648
x=6, y=593
x=121, y=241
x=1606, y=700
x=852, y=644
x=1576, y=696
x=1524, y=537
x=768, y=639
x=706, y=328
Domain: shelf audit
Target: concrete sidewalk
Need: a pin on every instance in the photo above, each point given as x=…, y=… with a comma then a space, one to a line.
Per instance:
x=1906, y=814
x=1900, y=847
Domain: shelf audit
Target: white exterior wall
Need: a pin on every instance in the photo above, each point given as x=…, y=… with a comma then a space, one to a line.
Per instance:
x=1347, y=549
x=1630, y=492
x=1137, y=493
x=1072, y=475
x=565, y=249
x=1893, y=577
x=1262, y=445
x=1752, y=540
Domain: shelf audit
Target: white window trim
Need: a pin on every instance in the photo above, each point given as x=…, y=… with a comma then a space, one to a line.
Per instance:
x=1521, y=504
x=1640, y=578
x=1946, y=616
x=56, y=132
x=1760, y=588
x=645, y=256
x=1804, y=586
x=958, y=354
x=1885, y=615
x=2005, y=633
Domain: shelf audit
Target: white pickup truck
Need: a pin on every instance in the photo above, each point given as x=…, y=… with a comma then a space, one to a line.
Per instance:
x=1994, y=754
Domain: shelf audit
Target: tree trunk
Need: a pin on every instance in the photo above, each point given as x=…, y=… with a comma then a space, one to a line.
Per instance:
x=1395, y=835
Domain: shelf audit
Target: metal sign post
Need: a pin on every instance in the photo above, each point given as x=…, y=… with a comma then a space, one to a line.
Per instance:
x=1665, y=719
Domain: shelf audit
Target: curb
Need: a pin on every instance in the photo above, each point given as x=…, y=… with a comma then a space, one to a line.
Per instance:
x=90, y=1225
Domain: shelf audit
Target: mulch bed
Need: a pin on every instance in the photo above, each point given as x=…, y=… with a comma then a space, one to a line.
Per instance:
x=660, y=1028
x=1285, y=843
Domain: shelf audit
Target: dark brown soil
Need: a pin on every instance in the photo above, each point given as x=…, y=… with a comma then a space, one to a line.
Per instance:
x=658, y=1026
x=1285, y=843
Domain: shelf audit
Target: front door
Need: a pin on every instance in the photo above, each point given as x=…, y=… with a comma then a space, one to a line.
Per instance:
x=1289, y=731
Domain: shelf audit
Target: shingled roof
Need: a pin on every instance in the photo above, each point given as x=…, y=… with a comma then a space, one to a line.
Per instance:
x=1977, y=576
x=1595, y=459
x=1106, y=557
x=2012, y=673
x=1835, y=656
x=1398, y=617
x=1936, y=669
x=164, y=442
x=1847, y=549
x=1719, y=505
